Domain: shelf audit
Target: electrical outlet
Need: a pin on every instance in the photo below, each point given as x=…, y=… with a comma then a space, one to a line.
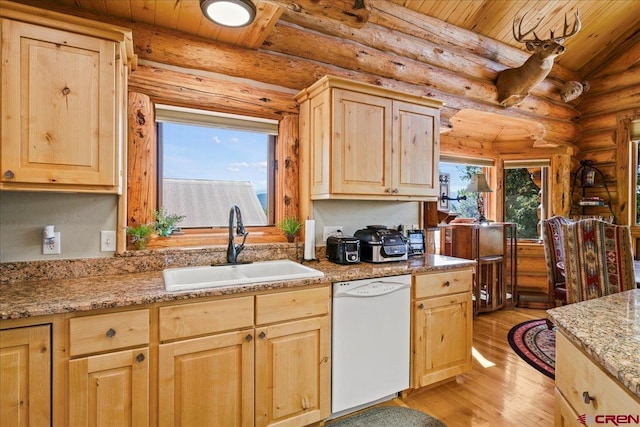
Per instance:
x=52, y=248
x=107, y=241
x=330, y=230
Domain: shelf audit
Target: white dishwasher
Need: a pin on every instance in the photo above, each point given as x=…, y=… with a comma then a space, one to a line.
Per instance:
x=370, y=342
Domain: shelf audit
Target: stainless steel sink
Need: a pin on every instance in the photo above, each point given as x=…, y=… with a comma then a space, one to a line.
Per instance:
x=189, y=278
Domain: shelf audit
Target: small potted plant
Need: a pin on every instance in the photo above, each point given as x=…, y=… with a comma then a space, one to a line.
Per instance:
x=290, y=227
x=140, y=234
x=165, y=223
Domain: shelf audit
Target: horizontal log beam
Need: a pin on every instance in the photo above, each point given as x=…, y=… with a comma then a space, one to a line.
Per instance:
x=185, y=89
x=611, y=101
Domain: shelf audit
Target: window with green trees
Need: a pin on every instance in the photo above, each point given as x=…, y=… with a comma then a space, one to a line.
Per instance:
x=525, y=196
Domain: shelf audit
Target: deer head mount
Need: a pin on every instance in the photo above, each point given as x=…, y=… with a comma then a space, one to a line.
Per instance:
x=514, y=84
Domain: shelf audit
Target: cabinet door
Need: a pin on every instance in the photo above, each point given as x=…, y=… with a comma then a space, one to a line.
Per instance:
x=293, y=373
x=361, y=150
x=110, y=389
x=442, y=338
x=25, y=369
x=416, y=149
x=58, y=108
x=207, y=381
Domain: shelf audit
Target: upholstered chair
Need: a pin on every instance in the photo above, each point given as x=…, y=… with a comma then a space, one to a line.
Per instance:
x=554, y=258
x=598, y=259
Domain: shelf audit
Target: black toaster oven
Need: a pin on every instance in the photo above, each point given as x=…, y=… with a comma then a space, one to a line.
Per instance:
x=343, y=249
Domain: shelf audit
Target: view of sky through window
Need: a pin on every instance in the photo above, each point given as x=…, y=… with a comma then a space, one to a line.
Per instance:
x=208, y=153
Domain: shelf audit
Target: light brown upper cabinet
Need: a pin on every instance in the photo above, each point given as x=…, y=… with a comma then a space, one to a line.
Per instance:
x=360, y=141
x=64, y=79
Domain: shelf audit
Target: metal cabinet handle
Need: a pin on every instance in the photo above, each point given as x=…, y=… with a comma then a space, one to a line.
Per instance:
x=421, y=306
x=447, y=283
x=587, y=399
x=111, y=333
x=395, y=190
x=387, y=190
x=262, y=335
x=140, y=358
x=8, y=174
x=248, y=338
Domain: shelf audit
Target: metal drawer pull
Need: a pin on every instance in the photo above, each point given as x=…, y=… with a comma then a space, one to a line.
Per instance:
x=9, y=174
x=587, y=399
x=421, y=306
x=262, y=335
x=248, y=338
x=447, y=283
x=140, y=358
x=111, y=333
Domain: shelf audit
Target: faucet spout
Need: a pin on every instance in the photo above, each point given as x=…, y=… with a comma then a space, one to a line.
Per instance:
x=234, y=250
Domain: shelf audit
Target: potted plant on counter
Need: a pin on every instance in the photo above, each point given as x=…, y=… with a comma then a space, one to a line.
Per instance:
x=140, y=234
x=165, y=223
x=290, y=227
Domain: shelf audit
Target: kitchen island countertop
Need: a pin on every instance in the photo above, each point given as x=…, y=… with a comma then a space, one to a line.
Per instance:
x=56, y=296
x=608, y=330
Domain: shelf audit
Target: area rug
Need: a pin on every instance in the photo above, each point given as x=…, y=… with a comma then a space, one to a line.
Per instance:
x=535, y=343
x=388, y=416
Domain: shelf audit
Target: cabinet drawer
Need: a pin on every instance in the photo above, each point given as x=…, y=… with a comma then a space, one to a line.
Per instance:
x=436, y=284
x=107, y=332
x=282, y=306
x=576, y=374
x=187, y=320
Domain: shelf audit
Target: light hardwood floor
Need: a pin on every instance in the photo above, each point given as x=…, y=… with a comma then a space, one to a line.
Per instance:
x=505, y=391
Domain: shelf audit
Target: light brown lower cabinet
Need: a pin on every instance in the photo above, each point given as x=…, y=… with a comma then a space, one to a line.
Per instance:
x=442, y=326
x=108, y=381
x=25, y=373
x=293, y=373
x=207, y=381
x=274, y=369
x=584, y=390
x=110, y=389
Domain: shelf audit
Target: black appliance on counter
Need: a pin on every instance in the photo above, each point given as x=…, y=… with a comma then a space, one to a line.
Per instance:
x=381, y=244
x=343, y=249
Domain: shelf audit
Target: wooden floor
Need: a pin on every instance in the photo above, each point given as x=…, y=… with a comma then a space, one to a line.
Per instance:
x=502, y=390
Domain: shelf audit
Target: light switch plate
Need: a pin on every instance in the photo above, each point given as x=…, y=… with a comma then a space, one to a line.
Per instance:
x=107, y=241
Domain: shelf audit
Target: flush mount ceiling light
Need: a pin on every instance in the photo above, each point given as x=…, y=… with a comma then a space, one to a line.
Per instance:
x=230, y=13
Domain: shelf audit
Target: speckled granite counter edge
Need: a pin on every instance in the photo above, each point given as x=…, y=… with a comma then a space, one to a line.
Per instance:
x=608, y=330
x=56, y=296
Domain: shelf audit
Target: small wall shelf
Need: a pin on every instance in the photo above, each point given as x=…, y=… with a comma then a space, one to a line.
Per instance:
x=590, y=196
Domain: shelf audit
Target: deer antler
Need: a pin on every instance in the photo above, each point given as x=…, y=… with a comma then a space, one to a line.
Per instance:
x=577, y=25
x=521, y=37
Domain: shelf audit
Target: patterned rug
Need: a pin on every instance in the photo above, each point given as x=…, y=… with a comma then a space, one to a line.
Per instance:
x=535, y=344
x=387, y=416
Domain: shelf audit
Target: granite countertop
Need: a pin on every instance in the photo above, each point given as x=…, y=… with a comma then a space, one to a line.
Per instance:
x=55, y=296
x=608, y=330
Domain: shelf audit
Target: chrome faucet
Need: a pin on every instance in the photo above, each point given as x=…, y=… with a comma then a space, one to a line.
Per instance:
x=232, y=250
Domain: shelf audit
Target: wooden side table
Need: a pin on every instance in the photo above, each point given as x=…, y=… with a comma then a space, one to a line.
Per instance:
x=494, y=247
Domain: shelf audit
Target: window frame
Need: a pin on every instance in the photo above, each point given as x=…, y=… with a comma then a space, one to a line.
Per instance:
x=142, y=179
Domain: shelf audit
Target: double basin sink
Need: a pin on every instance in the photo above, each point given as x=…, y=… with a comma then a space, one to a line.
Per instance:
x=190, y=278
